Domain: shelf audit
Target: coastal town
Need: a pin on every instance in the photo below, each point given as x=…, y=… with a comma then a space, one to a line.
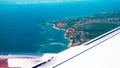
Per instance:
x=81, y=30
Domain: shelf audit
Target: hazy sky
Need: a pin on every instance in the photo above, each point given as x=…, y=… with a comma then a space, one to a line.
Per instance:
x=45, y=1
x=40, y=1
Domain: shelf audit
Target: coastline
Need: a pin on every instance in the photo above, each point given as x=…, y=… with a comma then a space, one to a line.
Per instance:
x=57, y=28
x=69, y=40
x=81, y=30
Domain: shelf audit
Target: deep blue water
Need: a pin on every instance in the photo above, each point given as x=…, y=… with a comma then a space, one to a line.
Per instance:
x=20, y=30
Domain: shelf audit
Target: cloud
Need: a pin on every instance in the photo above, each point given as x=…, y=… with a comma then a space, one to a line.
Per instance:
x=53, y=47
x=46, y=1
x=57, y=43
x=38, y=1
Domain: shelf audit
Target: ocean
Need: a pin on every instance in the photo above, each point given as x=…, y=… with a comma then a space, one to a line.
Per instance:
x=21, y=31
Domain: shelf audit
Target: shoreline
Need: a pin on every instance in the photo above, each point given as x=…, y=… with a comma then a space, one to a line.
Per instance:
x=80, y=30
x=57, y=28
x=69, y=40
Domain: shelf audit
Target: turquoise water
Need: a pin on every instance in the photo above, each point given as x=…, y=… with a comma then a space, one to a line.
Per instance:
x=20, y=29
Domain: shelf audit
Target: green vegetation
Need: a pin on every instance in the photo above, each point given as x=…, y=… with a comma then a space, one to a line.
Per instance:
x=80, y=30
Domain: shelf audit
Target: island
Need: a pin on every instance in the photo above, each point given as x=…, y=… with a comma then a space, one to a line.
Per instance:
x=82, y=29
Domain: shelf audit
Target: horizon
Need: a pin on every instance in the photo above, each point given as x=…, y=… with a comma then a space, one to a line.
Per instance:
x=49, y=1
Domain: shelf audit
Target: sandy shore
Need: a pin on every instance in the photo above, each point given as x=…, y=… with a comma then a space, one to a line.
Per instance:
x=70, y=41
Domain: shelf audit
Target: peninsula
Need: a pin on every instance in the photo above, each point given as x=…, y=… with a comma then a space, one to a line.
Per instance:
x=83, y=29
